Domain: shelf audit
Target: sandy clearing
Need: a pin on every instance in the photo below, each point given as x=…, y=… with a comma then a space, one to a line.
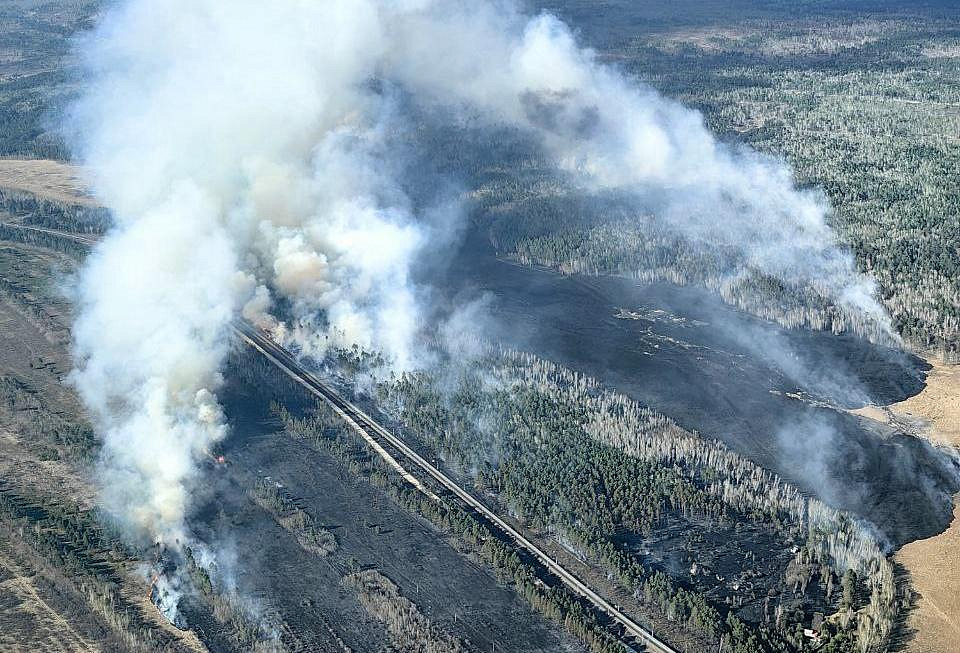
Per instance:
x=934, y=566
x=933, y=563
x=934, y=413
x=52, y=180
x=938, y=404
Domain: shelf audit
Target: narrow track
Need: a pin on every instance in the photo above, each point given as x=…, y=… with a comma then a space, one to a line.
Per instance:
x=90, y=241
x=370, y=430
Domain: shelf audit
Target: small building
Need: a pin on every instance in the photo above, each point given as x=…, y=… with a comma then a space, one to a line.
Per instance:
x=813, y=632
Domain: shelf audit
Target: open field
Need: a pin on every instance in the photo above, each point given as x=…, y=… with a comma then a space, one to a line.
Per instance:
x=938, y=405
x=932, y=562
x=46, y=194
x=935, y=575
x=53, y=180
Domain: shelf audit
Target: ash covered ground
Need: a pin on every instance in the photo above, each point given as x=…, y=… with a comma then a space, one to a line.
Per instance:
x=777, y=396
x=305, y=592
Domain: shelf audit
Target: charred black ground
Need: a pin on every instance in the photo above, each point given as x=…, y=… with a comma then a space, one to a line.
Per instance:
x=727, y=375
x=371, y=531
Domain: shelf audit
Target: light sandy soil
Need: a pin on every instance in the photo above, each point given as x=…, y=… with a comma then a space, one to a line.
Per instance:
x=934, y=413
x=934, y=566
x=934, y=563
x=50, y=179
x=938, y=404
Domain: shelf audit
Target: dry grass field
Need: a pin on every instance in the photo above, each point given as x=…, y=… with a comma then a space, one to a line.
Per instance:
x=934, y=563
x=938, y=404
x=45, y=178
x=28, y=622
x=935, y=573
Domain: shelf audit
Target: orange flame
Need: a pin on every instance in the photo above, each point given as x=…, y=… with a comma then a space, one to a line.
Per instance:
x=218, y=459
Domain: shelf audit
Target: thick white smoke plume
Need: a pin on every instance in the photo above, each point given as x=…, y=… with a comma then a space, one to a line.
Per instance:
x=249, y=153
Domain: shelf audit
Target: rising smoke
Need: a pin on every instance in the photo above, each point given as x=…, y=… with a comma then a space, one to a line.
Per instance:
x=255, y=158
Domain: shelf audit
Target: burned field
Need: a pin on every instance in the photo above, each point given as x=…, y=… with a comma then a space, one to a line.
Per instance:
x=455, y=593
x=280, y=582
x=742, y=565
x=776, y=396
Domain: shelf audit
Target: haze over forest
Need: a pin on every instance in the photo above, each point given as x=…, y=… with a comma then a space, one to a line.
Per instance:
x=468, y=326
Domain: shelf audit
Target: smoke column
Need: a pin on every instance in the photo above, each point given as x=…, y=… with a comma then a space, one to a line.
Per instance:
x=249, y=152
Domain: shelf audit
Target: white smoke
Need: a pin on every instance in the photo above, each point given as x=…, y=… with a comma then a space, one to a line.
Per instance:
x=249, y=152
x=618, y=135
